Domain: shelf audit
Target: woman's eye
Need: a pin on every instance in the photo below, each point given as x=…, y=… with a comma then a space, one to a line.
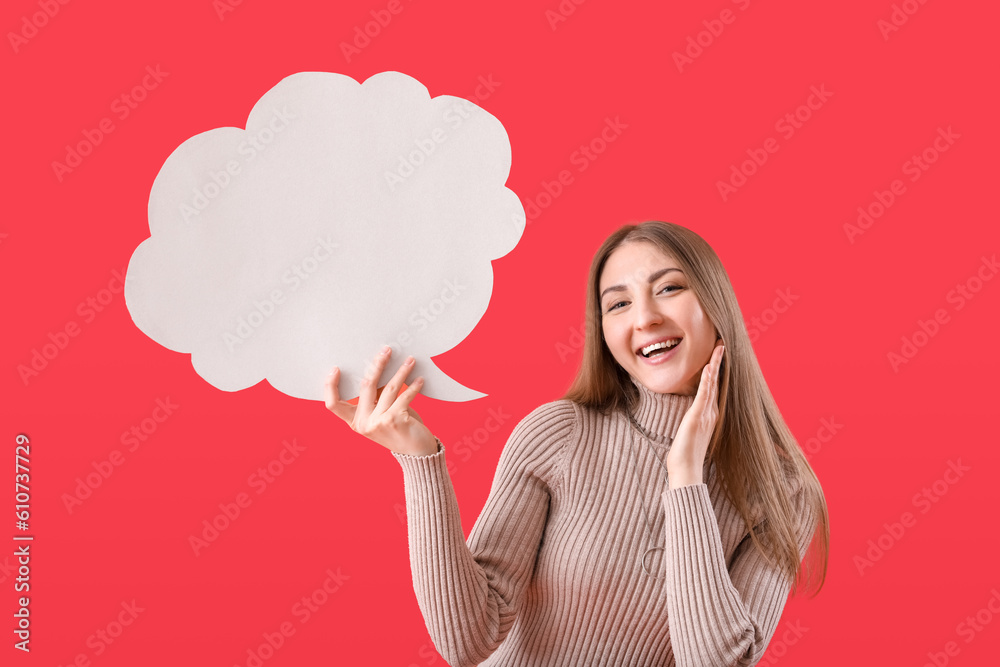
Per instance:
x=618, y=303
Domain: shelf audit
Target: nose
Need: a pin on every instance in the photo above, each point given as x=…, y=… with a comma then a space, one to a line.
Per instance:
x=646, y=313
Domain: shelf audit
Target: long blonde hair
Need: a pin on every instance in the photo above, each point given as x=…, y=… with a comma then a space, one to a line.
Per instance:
x=752, y=448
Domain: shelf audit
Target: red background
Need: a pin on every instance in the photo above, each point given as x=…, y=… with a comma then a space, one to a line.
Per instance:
x=336, y=506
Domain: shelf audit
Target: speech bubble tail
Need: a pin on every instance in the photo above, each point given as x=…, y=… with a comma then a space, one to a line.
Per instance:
x=437, y=384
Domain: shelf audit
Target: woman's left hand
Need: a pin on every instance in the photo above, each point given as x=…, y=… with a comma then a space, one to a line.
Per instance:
x=686, y=459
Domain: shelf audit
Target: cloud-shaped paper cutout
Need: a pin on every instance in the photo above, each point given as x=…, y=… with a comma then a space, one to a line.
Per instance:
x=345, y=217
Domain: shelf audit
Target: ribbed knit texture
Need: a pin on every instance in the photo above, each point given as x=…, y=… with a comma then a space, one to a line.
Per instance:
x=550, y=574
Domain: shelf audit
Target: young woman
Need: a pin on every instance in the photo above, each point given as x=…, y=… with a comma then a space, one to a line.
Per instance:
x=657, y=514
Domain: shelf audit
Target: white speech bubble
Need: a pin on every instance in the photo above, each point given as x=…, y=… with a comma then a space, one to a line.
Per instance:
x=345, y=217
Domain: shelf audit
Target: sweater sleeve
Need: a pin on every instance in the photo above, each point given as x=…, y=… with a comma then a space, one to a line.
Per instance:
x=719, y=616
x=469, y=592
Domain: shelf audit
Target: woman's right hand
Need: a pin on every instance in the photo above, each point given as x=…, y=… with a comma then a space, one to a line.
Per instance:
x=384, y=415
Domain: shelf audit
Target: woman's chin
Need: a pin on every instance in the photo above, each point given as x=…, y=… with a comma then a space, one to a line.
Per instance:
x=662, y=383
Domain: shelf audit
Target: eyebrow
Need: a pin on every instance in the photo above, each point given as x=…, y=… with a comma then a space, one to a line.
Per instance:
x=652, y=279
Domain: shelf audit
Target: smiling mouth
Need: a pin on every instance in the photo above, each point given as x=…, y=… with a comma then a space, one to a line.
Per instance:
x=661, y=348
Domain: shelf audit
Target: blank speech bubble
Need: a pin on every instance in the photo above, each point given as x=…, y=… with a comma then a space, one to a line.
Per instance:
x=345, y=217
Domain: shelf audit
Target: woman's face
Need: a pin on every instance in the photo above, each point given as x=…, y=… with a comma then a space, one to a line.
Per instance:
x=645, y=298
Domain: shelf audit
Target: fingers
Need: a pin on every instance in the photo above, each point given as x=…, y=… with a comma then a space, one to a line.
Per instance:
x=373, y=401
x=413, y=412
x=367, y=396
x=391, y=389
x=716, y=365
x=701, y=396
x=708, y=386
x=331, y=393
x=408, y=395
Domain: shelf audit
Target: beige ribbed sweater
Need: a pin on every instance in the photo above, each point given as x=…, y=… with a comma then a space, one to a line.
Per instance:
x=551, y=575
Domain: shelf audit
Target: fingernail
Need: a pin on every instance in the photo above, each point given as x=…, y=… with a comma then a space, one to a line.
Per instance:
x=409, y=360
x=385, y=350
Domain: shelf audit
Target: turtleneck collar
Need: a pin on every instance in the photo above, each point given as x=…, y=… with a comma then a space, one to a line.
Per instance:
x=660, y=414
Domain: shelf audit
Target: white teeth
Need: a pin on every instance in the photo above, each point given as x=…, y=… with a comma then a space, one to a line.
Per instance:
x=656, y=346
